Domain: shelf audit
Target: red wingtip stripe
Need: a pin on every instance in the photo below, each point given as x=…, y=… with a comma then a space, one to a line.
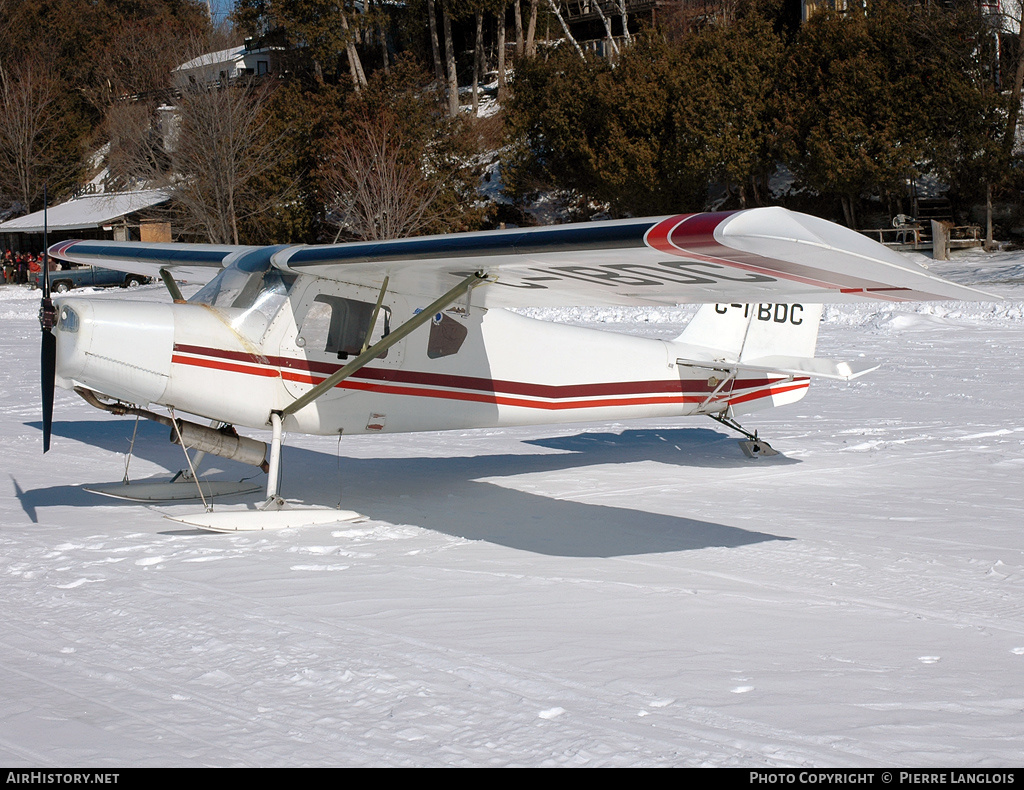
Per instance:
x=61, y=249
x=658, y=235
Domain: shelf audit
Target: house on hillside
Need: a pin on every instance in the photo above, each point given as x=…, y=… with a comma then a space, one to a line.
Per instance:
x=590, y=20
x=251, y=59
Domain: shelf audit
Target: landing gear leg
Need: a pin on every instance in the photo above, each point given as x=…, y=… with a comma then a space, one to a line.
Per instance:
x=752, y=446
x=273, y=500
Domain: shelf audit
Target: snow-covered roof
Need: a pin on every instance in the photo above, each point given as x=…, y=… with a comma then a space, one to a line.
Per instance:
x=87, y=211
x=213, y=58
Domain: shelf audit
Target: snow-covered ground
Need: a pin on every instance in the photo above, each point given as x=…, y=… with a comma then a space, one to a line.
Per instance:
x=600, y=594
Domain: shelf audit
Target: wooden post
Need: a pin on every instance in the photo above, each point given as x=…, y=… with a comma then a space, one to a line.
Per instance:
x=989, y=244
x=940, y=240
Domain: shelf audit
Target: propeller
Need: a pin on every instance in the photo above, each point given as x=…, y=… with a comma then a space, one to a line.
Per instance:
x=48, y=354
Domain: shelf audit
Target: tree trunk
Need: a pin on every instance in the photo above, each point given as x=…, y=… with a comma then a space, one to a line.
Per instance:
x=502, y=85
x=382, y=31
x=234, y=221
x=435, y=47
x=531, y=30
x=478, y=56
x=1010, y=140
x=355, y=65
x=384, y=49
x=453, y=78
x=517, y=17
x=848, y=211
x=613, y=48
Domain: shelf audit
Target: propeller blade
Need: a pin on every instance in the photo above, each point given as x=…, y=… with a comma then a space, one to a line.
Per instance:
x=48, y=371
x=48, y=353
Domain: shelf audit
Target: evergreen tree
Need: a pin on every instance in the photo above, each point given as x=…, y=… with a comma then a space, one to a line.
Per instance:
x=848, y=124
x=728, y=111
x=649, y=133
x=873, y=100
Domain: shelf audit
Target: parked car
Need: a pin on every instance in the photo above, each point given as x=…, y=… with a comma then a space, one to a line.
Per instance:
x=89, y=277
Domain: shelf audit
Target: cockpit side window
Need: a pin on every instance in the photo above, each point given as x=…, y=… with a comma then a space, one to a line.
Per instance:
x=336, y=325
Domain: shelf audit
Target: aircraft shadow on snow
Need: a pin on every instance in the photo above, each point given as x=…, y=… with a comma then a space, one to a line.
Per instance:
x=447, y=494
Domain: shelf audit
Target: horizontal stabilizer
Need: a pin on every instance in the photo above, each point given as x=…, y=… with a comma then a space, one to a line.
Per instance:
x=810, y=366
x=814, y=367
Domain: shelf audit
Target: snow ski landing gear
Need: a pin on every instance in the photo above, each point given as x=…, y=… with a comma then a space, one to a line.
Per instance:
x=752, y=446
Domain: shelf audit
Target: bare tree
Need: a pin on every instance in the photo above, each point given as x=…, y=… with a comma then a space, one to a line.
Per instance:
x=136, y=156
x=221, y=151
x=29, y=130
x=375, y=182
x=138, y=62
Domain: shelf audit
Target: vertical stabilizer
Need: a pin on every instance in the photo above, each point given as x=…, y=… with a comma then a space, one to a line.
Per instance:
x=744, y=332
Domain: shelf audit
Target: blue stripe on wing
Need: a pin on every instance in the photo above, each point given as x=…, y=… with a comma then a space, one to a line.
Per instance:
x=624, y=235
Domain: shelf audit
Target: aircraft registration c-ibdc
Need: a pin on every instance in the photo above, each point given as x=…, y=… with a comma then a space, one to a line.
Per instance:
x=412, y=334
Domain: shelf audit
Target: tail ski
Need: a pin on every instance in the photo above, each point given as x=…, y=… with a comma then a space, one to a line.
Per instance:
x=768, y=343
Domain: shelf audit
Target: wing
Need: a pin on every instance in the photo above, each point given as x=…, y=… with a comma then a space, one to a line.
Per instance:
x=197, y=263
x=758, y=255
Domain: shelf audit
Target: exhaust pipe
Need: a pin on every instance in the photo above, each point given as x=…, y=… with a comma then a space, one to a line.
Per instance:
x=224, y=442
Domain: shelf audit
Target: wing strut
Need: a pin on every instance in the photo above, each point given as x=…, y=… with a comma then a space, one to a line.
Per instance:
x=376, y=312
x=172, y=286
x=382, y=345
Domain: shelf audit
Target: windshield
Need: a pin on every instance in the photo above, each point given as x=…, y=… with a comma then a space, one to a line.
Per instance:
x=249, y=292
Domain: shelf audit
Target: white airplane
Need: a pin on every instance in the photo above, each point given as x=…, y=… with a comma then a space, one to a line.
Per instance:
x=328, y=340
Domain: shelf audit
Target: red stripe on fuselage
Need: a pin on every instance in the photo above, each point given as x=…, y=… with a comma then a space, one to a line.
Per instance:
x=473, y=389
x=771, y=390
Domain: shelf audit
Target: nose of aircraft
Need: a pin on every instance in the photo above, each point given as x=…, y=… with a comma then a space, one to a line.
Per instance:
x=120, y=349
